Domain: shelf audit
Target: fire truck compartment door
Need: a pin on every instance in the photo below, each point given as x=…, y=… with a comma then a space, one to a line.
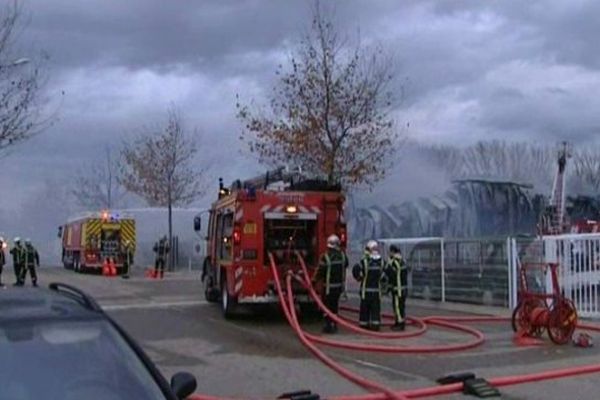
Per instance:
x=292, y=216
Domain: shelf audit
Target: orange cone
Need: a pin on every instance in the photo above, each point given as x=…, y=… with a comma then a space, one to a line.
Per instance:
x=113, y=267
x=105, y=268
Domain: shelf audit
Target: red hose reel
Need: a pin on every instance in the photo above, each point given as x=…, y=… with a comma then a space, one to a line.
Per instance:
x=537, y=312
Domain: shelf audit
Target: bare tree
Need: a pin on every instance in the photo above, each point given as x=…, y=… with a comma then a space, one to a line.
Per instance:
x=21, y=104
x=96, y=186
x=517, y=161
x=587, y=168
x=159, y=166
x=329, y=113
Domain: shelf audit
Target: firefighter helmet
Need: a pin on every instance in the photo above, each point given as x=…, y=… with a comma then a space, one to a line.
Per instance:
x=372, y=245
x=333, y=242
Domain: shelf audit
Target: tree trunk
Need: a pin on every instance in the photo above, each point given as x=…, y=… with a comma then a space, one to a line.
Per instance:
x=170, y=267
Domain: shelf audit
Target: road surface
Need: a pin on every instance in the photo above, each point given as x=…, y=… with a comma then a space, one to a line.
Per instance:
x=258, y=355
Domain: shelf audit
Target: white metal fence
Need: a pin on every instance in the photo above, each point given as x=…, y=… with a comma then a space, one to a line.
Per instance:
x=486, y=271
x=578, y=257
x=460, y=270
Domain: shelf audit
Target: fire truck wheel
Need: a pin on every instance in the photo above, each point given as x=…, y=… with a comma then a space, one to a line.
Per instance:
x=210, y=291
x=76, y=265
x=228, y=302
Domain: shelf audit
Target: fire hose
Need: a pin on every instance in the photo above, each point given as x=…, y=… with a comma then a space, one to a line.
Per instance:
x=439, y=321
x=448, y=322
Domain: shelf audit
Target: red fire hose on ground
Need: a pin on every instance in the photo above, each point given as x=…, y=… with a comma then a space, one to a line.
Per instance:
x=382, y=393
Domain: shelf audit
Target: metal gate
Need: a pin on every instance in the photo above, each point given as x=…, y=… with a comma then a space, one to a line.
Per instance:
x=471, y=271
x=578, y=256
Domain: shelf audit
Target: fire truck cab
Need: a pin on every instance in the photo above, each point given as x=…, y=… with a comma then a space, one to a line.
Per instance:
x=269, y=214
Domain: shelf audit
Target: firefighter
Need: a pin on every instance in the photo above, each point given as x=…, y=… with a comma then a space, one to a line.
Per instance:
x=161, y=248
x=2, y=259
x=127, y=251
x=397, y=276
x=18, y=256
x=370, y=274
x=31, y=261
x=332, y=272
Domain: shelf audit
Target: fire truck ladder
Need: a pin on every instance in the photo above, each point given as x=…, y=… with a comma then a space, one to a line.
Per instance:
x=555, y=217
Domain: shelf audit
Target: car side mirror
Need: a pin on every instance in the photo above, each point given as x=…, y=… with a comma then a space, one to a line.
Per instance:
x=60, y=229
x=197, y=224
x=183, y=384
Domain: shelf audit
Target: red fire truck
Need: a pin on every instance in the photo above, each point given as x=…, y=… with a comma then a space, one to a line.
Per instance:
x=274, y=214
x=89, y=239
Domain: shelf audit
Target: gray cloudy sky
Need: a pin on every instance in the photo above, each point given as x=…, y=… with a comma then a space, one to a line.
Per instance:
x=469, y=70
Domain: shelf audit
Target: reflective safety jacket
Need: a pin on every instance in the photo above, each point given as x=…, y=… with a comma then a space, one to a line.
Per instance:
x=32, y=258
x=369, y=272
x=332, y=270
x=397, y=274
x=18, y=253
x=161, y=248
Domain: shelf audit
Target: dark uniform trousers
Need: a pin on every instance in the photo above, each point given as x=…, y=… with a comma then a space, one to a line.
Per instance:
x=332, y=302
x=159, y=265
x=370, y=309
x=399, y=304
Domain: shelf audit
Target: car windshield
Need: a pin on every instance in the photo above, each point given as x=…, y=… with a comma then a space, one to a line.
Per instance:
x=71, y=361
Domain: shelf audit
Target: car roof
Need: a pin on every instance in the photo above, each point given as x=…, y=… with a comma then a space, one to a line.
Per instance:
x=20, y=304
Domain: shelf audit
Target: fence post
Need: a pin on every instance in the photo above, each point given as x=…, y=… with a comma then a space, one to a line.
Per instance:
x=510, y=254
x=443, y=270
x=509, y=272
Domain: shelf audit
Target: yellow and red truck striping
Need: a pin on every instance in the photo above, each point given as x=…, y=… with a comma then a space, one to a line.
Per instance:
x=94, y=226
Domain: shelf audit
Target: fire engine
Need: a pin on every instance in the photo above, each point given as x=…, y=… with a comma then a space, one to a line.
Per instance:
x=278, y=213
x=90, y=239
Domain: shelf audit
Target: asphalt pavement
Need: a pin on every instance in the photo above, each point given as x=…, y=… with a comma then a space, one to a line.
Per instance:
x=257, y=355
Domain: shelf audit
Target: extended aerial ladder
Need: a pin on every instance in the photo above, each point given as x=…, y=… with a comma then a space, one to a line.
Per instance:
x=553, y=219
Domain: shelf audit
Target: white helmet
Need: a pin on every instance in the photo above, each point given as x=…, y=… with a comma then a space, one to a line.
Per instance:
x=17, y=239
x=373, y=246
x=333, y=242
x=27, y=241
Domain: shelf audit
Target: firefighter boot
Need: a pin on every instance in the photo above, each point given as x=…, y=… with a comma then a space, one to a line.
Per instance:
x=328, y=328
x=334, y=327
x=398, y=326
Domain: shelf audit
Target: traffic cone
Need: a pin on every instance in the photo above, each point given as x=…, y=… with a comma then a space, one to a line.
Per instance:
x=105, y=268
x=113, y=267
x=151, y=273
